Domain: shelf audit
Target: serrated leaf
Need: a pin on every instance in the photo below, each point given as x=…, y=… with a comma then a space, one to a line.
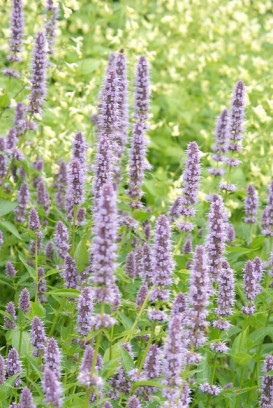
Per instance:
x=126, y=359
x=25, y=341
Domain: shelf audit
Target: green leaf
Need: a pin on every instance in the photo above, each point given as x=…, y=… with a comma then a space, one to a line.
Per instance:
x=150, y=383
x=127, y=361
x=11, y=228
x=73, y=293
x=258, y=335
x=28, y=268
x=36, y=310
x=25, y=341
x=4, y=101
x=81, y=254
x=6, y=207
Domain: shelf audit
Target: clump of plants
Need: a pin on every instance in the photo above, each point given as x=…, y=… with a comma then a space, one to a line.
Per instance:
x=110, y=302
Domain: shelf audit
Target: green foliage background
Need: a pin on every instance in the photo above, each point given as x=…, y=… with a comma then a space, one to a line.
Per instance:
x=197, y=51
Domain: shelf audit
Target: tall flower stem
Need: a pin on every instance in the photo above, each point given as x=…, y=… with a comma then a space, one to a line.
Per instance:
x=36, y=270
x=144, y=304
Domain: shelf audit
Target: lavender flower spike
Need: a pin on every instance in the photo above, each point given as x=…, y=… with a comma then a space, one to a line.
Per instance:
x=226, y=294
x=163, y=263
x=70, y=273
x=51, y=23
x=217, y=235
x=38, y=77
x=26, y=399
x=2, y=370
x=237, y=117
x=103, y=168
x=137, y=164
x=52, y=357
x=14, y=366
x=38, y=337
x=104, y=246
x=24, y=301
x=10, y=270
x=267, y=217
x=41, y=285
x=250, y=288
x=142, y=92
x=8, y=323
x=75, y=193
x=61, y=185
x=79, y=148
x=251, y=205
x=17, y=27
x=221, y=139
x=198, y=297
x=33, y=220
x=191, y=176
x=42, y=196
x=84, y=376
x=52, y=389
x=266, y=390
x=61, y=240
x=134, y=402
x=20, y=122
x=122, y=103
x=85, y=309
x=23, y=199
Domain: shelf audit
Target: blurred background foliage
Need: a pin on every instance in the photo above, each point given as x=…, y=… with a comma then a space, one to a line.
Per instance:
x=197, y=51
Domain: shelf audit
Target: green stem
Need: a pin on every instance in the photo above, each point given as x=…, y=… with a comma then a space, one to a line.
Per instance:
x=62, y=305
x=147, y=348
x=176, y=251
x=128, y=339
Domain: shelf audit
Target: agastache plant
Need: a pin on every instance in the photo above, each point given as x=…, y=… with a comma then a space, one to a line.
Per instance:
x=17, y=29
x=221, y=143
x=22, y=200
x=251, y=205
x=52, y=389
x=104, y=253
x=137, y=160
x=38, y=76
x=267, y=217
x=250, y=288
x=51, y=24
x=266, y=390
x=14, y=366
x=235, y=133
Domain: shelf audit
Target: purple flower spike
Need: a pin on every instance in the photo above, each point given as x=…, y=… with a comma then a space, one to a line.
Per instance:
x=38, y=337
x=188, y=245
x=10, y=270
x=141, y=296
x=75, y=193
x=17, y=28
x=142, y=92
x=52, y=357
x=134, y=402
x=61, y=240
x=41, y=285
x=267, y=217
x=51, y=23
x=107, y=405
x=1, y=239
x=26, y=399
x=104, y=246
x=11, y=139
x=215, y=244
x=152, y=365
x=230, y=234
x=251, y=205
x=11, y=73
x=258, y=271
x=137, y=165
x=38, y=77
x=10, y=324
x=52, y=389
x=42, y=196
x=81, y=216
x=198, y=297
x=236, y=116
x=130, y=267
x=191, y=176
x=23, y=199
x=250, y=287
x=3, y=167
x=226, y=293
x=79, y=148
x=221, y=133
x=213, y=390
x=84, y=376
x=179, y=305
x=70, y=273
x=266, y=390
x=24, y=301
x=163, y=264
x=103, y=168
x=122, y=103
x=85, y=309
x=61, y=185
x=14, y=366
x=49, y=251
x=148, y=264
x=20, y=123
x=33, y=220
x=2, y=370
